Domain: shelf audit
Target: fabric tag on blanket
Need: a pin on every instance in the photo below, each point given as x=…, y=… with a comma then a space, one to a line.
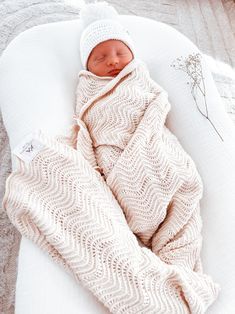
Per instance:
x=28, y=148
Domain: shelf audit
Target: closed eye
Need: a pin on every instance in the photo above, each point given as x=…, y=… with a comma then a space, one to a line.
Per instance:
x=99, y=59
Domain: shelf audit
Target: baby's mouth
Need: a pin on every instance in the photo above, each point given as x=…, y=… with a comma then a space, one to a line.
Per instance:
x=114, y=71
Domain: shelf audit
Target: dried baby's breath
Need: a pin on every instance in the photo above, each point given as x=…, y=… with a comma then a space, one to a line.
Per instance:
x=192, y=66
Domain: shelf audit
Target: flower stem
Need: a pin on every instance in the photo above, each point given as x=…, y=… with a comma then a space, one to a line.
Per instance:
x=192, y=66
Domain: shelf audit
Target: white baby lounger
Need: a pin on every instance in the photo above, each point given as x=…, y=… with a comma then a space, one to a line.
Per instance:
x=37, y=91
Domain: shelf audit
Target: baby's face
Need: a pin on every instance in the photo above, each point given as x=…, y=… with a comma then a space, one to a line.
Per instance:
x=109, y=58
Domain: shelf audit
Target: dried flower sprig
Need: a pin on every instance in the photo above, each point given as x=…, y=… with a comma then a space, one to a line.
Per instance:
x=192, y=66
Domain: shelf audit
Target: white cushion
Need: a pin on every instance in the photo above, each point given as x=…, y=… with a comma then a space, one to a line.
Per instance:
x=37, y=90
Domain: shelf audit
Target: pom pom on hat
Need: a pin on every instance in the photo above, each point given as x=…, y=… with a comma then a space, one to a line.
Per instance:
x=97, y=11
x=101, y=22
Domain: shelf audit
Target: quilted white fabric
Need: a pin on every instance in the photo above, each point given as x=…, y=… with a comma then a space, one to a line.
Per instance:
x=37, y=90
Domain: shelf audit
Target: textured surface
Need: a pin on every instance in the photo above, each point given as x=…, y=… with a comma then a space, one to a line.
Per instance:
x=196, y=19
x=83, y=228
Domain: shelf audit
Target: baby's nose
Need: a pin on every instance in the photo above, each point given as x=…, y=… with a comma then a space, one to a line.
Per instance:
x=113, y=60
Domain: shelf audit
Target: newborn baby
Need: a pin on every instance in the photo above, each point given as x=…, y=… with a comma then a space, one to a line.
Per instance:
x=120, y=114
x=109, y=57
x=111, y=133
x=120, y=119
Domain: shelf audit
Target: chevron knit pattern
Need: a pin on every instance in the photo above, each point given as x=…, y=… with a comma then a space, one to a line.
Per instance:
x=154, y=180
x=63, y=205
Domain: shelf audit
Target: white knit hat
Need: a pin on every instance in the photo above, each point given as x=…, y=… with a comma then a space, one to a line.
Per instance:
x=101, y=22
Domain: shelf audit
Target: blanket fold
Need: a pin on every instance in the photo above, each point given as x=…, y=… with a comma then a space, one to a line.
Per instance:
x=60, y=202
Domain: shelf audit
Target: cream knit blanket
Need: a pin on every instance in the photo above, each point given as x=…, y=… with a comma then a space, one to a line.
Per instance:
x=64, y=206
x=154, y=180
x=56, y=198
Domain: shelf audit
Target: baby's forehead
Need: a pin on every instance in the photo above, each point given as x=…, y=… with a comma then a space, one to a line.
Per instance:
x=108, y=45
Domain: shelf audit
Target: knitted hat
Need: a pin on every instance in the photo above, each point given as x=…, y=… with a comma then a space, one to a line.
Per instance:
x=101, y=22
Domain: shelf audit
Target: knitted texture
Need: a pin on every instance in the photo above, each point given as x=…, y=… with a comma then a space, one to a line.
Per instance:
x=69, y=211
x=101, y=22
x=154, y=180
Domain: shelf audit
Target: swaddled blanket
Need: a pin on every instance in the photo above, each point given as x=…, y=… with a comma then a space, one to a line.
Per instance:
x=56, y=198
x=154, y=180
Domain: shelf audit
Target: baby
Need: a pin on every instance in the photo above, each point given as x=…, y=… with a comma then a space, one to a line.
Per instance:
x=120, y=114
x=109, y=57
